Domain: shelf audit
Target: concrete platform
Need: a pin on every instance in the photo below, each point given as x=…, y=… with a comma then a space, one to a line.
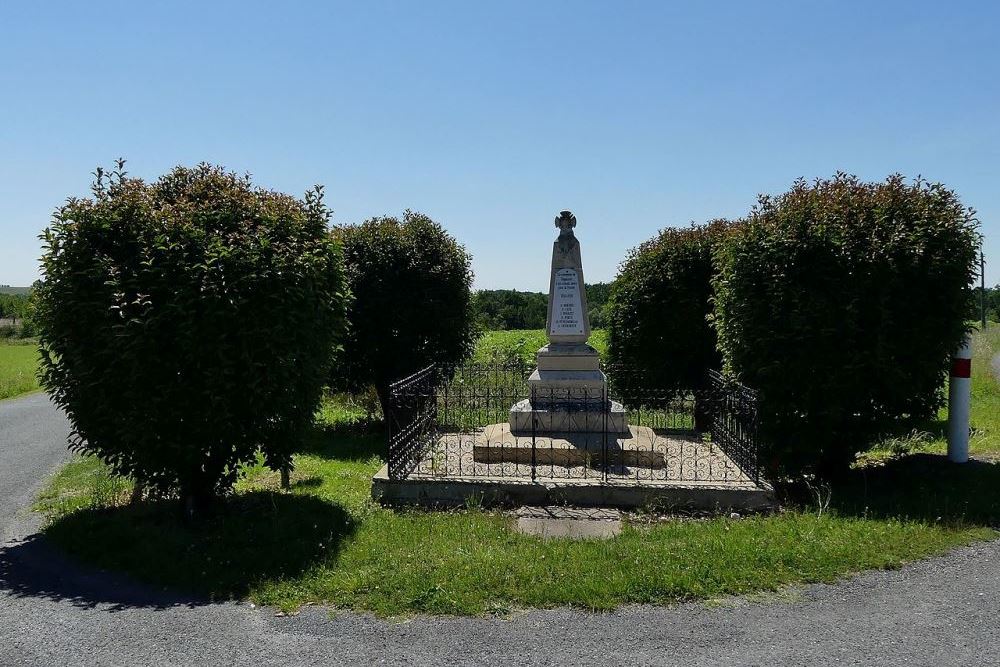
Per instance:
x=638, y=446
x=646, y=454
x=575, y=523
x=445, y=492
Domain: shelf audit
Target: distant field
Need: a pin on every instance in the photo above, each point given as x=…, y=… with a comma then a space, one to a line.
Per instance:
x=523, y=343
x=17, y=368
x=14, y=290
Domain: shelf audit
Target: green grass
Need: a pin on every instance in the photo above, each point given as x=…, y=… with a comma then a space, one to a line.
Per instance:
x=985, y=392
x=523, y=343
x=326, y=542
x=18, y=362
x=985, y=417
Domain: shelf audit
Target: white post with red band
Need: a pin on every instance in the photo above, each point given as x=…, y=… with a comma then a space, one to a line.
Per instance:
x=959, y=402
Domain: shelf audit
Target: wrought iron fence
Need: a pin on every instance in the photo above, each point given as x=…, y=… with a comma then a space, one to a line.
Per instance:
x=487, y=420
x=732, y=421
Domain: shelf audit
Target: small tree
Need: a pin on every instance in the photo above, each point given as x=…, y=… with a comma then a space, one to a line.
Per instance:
x=187, y=324
x=412, y=302
x=841, y=303
x=659, y=310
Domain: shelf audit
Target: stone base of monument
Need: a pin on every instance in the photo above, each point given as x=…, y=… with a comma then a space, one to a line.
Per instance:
x=565, y=415
x=432, y=491
x=637, y=446
x=568, y=357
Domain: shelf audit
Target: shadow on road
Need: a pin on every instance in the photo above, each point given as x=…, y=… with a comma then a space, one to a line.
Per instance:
x=252, y=538
x=34, y=568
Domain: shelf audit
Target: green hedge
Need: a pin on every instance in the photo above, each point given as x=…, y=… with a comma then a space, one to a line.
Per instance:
x=660, y=307
x=841, y=303
x=411, y=284
x=188, y=323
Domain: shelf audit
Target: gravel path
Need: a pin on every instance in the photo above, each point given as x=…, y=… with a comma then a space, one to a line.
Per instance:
x=941, y=611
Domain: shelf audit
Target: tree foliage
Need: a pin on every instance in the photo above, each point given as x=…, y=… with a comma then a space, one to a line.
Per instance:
x=990, y=298
x=660, y=306
x=503, y=310
x=841, y=303
x=14, y=306
x=17, y=315
x=188, y=323
x=412, y=302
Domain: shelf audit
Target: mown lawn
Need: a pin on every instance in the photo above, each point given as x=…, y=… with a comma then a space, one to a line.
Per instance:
x=326, y=542
x=18, y=362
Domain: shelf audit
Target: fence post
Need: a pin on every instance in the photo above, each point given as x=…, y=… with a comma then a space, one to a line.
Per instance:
x=534, y=424
x=959, y=402
x=605, y=410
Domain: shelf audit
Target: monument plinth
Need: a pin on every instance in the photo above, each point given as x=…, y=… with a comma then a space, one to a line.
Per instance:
x=568, y=388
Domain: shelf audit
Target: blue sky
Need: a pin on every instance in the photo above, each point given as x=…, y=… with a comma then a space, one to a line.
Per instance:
x=491, y=117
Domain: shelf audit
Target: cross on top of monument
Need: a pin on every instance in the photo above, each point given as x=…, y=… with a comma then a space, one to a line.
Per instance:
x=566, y=222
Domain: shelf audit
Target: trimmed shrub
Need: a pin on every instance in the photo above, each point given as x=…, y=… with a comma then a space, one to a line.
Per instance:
x=411, y=284
x=188, y=324
x=841, y=303
x=659, y=310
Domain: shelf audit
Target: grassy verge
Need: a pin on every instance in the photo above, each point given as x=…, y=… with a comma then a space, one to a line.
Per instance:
x=985, y=441
x=18, y=361
x=326, y=542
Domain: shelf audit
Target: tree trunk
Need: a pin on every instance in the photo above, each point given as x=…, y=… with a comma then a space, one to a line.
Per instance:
x=197, y=504
x=703, y=411
x=382, y=391
x=198, y=493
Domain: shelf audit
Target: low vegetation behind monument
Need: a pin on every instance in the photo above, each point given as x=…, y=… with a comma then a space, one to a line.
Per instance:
x=660, y=308
x=411, y=303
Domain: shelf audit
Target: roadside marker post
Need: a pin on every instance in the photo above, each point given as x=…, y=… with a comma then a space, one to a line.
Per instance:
x=959, y=402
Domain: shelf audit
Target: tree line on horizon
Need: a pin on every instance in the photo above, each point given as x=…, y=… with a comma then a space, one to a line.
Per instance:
x=509, y=309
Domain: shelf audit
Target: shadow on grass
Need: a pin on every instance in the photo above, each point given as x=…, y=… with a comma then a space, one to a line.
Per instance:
x=358, y=441
x=252, y=537
x=920, y=487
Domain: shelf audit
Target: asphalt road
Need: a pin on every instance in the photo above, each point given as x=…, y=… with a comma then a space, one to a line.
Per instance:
x=32, y=445
x=943, y=611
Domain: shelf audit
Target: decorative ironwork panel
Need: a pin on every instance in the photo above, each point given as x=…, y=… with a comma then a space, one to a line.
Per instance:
x=733, y=422
x=412, y=420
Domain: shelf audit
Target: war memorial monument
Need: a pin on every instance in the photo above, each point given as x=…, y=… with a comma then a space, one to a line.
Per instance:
x=566, y=438
x=568, y=389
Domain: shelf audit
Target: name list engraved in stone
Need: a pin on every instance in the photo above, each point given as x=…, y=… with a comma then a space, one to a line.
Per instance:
x=567, y=307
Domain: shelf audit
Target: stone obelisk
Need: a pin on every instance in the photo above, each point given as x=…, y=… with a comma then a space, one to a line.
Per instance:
x=568, y=389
